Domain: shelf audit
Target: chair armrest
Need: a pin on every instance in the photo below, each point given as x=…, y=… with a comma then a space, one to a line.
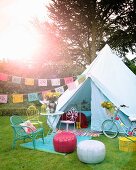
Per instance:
x=36, y=122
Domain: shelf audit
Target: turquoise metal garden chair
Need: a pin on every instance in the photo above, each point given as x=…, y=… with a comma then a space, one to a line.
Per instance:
x=19, y=131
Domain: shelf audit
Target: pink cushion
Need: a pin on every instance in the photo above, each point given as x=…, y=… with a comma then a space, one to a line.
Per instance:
x=28, y=124
x=67, y=121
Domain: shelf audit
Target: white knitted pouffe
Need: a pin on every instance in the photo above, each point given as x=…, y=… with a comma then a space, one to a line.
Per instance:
x=91, y=151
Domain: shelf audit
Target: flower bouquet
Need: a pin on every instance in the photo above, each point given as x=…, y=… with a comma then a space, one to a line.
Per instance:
x=52, y=97
x=110, y=108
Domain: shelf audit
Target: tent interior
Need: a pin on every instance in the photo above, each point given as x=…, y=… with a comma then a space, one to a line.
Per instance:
x=81, y=101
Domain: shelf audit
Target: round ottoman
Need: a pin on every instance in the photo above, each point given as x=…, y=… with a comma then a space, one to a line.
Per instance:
x=64, y=142
x=91, y=151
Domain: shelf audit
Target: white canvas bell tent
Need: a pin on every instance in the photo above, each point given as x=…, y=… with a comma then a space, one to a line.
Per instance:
x=108, y=78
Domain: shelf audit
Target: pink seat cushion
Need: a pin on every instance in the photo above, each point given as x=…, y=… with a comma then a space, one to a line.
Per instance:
x=67, y=121
x=65, y=142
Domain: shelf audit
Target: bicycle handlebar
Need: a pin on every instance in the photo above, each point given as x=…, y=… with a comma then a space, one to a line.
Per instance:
x=123, y=105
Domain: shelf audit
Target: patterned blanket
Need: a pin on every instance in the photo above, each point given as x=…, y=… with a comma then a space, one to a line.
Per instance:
x=82, y=132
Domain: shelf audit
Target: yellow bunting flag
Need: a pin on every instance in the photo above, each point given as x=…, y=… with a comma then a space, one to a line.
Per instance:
x=29, y=81
x=121, y=124
x=17, y=98
x=81, y=79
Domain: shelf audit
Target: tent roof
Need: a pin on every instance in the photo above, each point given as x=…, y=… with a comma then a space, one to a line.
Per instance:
x=113, y=78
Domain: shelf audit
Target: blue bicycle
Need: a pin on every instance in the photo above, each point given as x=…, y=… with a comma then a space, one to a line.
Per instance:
x=110, y=126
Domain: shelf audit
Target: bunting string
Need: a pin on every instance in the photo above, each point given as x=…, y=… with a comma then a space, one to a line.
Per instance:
x=39, y=82
x=31, y=97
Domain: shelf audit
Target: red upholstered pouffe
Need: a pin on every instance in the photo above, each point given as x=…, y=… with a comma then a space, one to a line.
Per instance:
x=65, y=142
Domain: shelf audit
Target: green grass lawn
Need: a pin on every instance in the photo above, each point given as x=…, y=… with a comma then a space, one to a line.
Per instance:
x=25, y=159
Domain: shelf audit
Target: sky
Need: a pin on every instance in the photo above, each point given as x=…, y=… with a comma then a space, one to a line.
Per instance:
x=18, y=37
x=130, y=56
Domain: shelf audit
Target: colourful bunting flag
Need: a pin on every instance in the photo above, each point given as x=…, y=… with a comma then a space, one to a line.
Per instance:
x=16, y=79
x=29, y=81
x=72, y=86
x=3, y=98
x=55, y=82
x=60, y=89
x=89, y=74
x=81, y=79
x=42, y=82
x=121, y=124
x=3, y=77
x=33, y=97
x=17, y=98
x=68, y=80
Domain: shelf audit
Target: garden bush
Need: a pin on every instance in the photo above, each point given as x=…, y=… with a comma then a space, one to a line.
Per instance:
x=10, y=109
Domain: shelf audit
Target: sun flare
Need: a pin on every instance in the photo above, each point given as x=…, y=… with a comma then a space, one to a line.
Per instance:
x=18, y=44
x=18, y=37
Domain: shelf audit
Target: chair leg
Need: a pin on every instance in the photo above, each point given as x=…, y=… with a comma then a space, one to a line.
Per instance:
x=33, y=142
x=14, y=144
x=74, y=126
x=43, y=137
x=67, y=127
x=59, y=125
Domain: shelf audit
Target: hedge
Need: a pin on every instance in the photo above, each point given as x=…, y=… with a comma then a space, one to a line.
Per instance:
x=10, y=109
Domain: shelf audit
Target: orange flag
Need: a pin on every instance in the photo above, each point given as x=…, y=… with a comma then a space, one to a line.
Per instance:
x=17, y=98
x=29, y=81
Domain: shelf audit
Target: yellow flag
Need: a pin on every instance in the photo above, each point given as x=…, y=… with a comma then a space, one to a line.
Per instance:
x=81, y=79
x=17, y=98
x=29, y=81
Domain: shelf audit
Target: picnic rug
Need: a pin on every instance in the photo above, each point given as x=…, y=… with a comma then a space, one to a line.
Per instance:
x=48, y=144
x=83, y=132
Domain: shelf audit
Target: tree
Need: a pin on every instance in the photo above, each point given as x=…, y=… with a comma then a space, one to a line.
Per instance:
x=53, y=53
x=51, y=44
x=131, y=64
x=87, y=25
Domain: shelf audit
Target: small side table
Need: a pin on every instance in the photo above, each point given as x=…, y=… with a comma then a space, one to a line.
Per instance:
x=52, y=120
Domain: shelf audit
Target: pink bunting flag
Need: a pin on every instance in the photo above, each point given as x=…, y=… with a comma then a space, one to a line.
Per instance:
x=3, y=98
x=68, y=80
x=3, y=77
x=71, y=86
x=42, y=82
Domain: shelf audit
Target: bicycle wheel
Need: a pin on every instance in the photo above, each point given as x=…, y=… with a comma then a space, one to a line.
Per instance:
x=110, y=129
x=134, y=132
